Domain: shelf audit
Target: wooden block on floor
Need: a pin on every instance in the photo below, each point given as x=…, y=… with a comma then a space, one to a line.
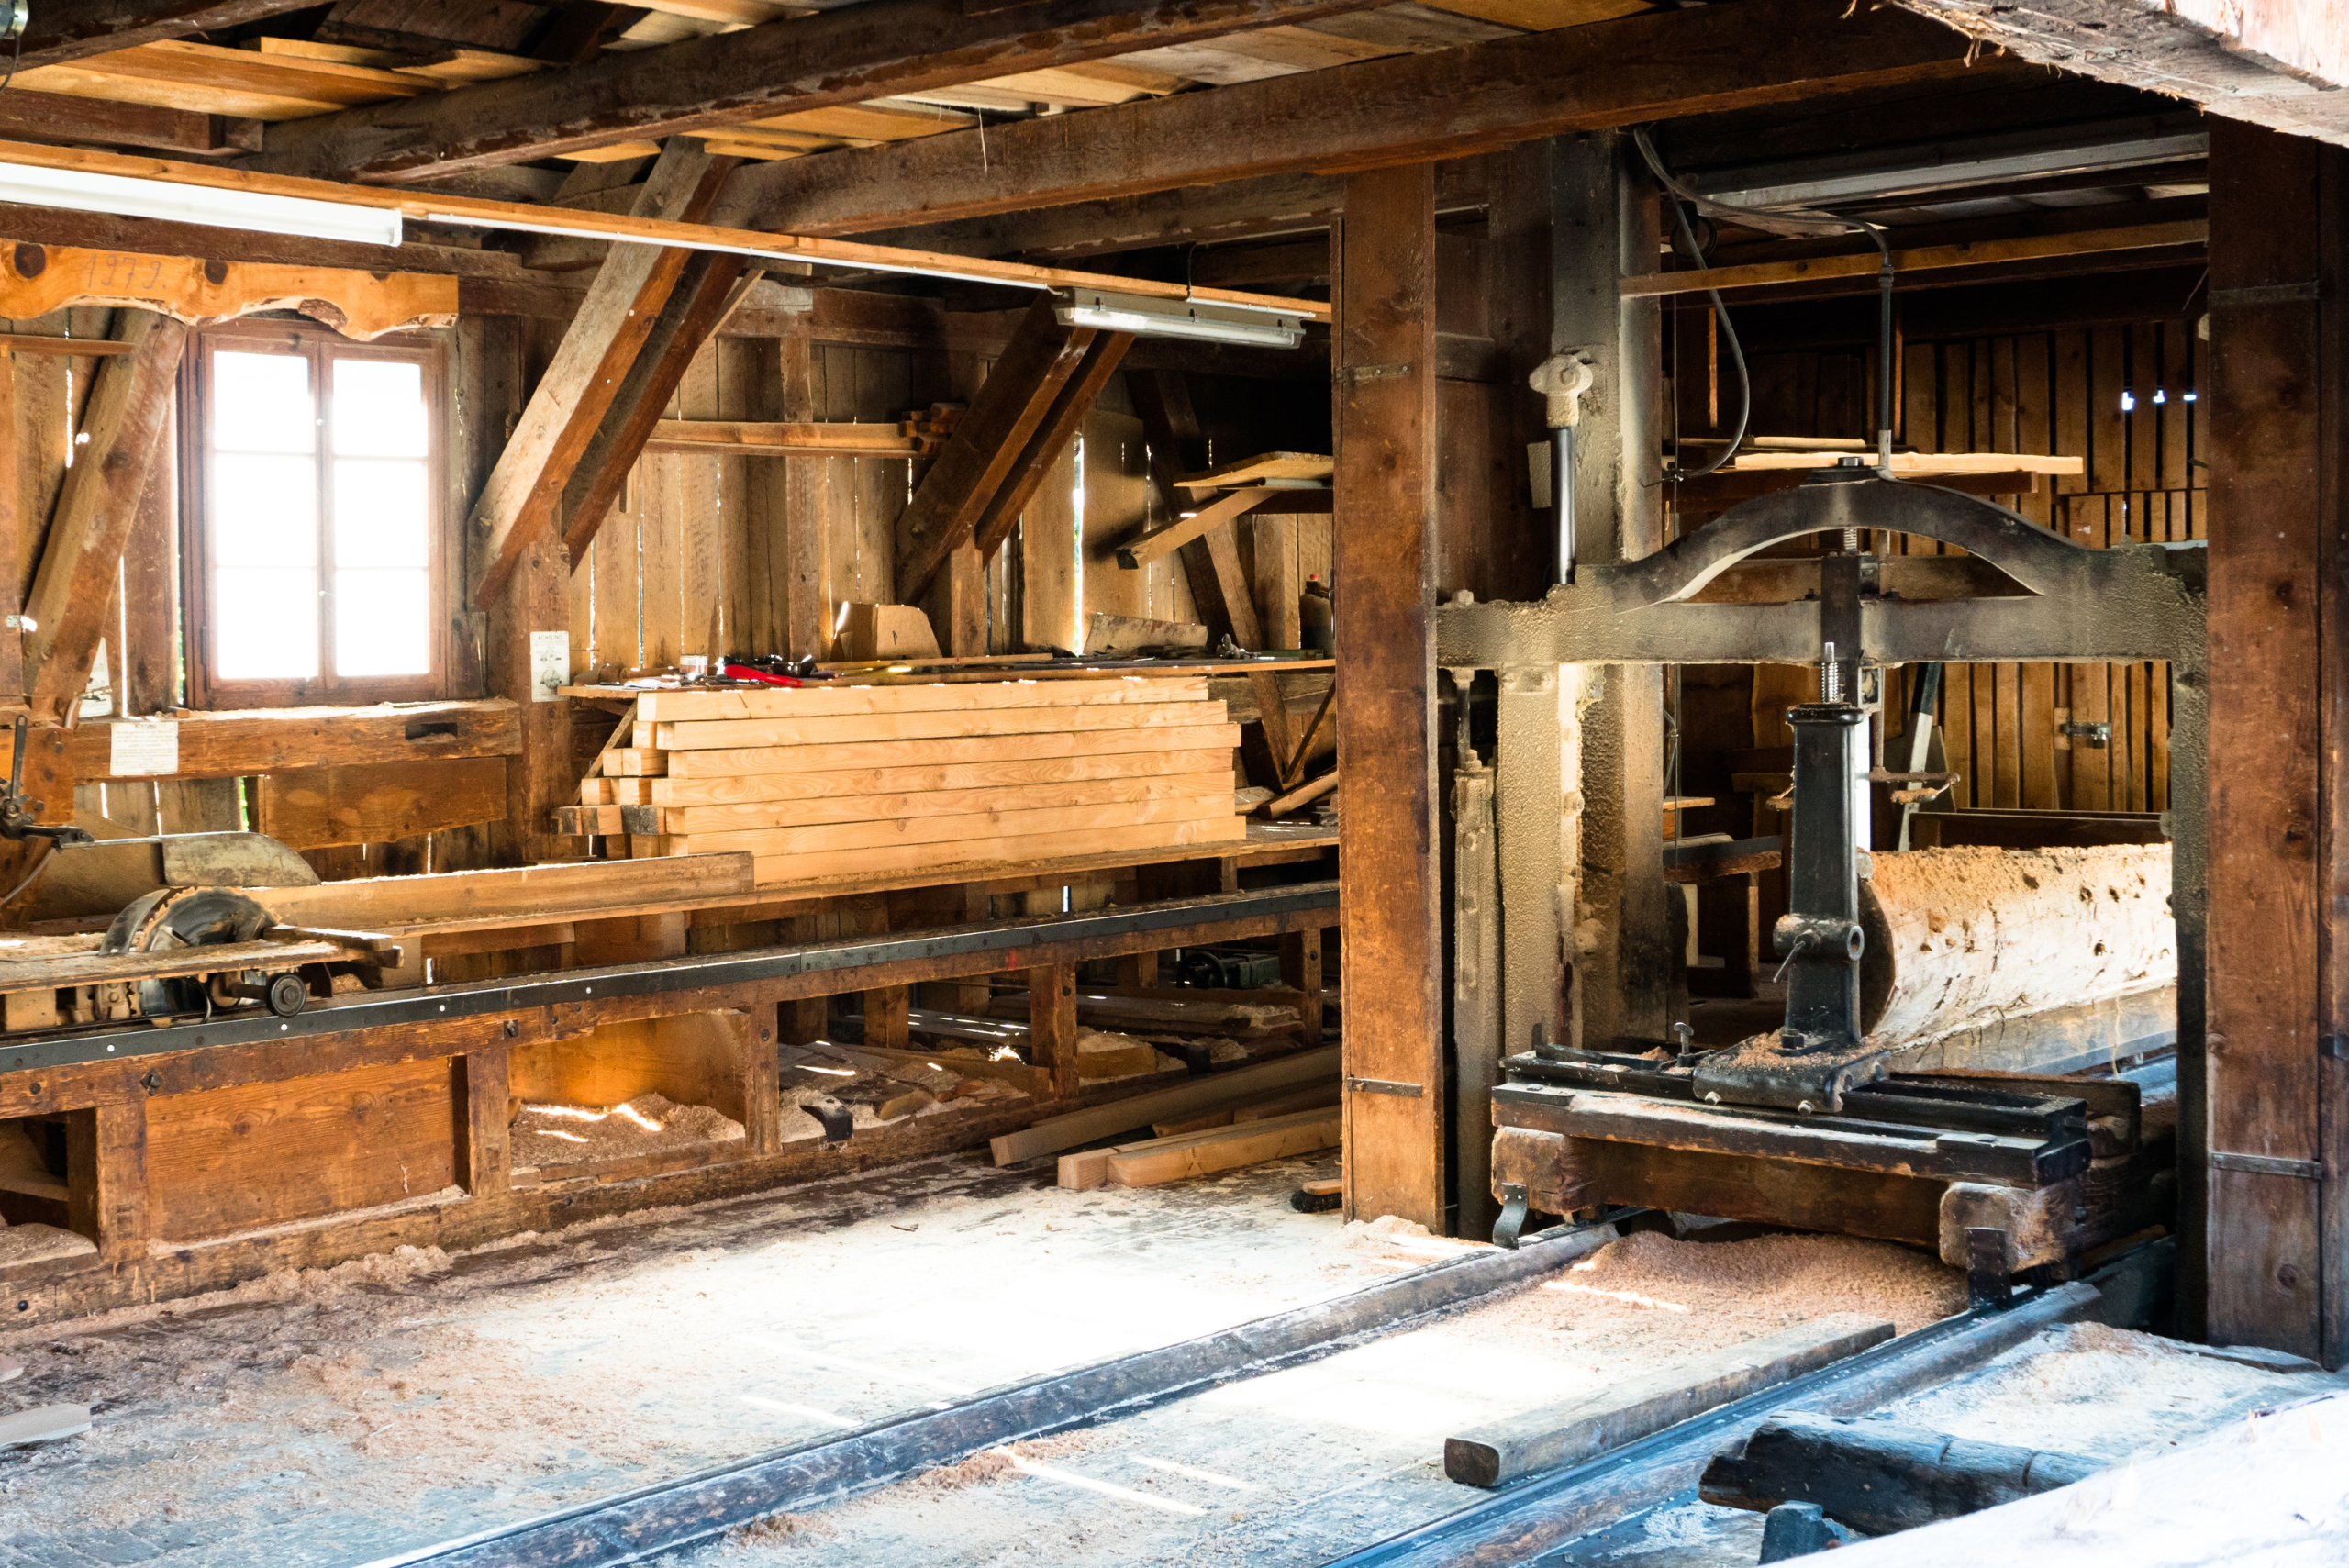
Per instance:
x=1086, y=1170
x=1225, y=1148
x=1544, y=1439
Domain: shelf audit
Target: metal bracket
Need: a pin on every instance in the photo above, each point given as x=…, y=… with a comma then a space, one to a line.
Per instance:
x=2335, y=1046
x=1512, y=1219
x=1386, y=1086
x=2268, y=1165
x=2097, y=733
x=1988, y=1273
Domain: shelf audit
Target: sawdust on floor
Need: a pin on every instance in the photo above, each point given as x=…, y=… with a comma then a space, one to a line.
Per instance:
x=544, y=1135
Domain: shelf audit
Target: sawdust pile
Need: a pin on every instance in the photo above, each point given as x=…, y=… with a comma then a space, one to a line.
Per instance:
x=649, y=1124
x=24, y=1244
x=1648, y=1290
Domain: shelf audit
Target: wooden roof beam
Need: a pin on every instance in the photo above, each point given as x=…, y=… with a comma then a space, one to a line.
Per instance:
x=849, y=55
x=517, y=503
x=65, y=30
x=1404, y=109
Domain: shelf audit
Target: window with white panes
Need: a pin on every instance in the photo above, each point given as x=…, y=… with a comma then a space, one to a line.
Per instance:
x=316, y=518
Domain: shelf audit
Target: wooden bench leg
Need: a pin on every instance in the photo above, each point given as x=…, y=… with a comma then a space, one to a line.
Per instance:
x=1051, y=1026
x=1301, y=973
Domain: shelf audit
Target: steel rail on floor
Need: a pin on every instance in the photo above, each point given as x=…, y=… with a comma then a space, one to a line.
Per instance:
x=693, y=1509
x=441, y=1004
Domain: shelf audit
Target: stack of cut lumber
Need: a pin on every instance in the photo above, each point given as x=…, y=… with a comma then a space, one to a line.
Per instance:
x=827, y=781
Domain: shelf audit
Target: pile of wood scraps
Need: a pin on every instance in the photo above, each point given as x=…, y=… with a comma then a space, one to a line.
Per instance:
x=1269, y=1111
x=830, y=1092
x=831, y=780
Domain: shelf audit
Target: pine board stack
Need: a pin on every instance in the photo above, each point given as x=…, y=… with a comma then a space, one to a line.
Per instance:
x=829, y=781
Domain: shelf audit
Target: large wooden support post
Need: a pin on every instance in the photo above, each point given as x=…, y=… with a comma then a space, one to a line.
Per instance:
x=1537, y=836
x=2278, y=1247
x=1605, y=227
x=1382, y=367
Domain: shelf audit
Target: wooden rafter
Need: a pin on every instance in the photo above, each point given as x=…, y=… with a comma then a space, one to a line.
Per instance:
x=517, y=503
x=58, y=117
x=711, y=286
x=35, y=280
x=63, y=31
x=1059, y=426
x=130, y=404
x=953, y=495
x=1407, y=108
x=838, y=56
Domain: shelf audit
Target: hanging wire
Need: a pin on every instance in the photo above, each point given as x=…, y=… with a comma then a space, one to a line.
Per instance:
x=1795, y=222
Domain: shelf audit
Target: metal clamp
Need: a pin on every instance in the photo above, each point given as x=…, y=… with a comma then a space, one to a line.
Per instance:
x=1512, y=1219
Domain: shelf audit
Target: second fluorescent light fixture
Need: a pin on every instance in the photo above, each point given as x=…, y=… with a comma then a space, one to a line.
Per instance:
x=251, y=210
x=1146, y=317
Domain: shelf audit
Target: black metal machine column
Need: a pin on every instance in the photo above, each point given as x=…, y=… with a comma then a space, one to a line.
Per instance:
x=1820, y=935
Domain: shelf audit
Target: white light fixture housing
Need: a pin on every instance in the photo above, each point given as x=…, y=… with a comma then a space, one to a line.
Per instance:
x=1146, y=317
x=81, y=192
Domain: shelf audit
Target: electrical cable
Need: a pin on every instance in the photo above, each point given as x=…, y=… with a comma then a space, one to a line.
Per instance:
x=31, y=876
x=1794, y=222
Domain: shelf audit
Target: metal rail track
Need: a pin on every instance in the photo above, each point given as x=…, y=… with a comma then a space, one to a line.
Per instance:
x=650, y=1521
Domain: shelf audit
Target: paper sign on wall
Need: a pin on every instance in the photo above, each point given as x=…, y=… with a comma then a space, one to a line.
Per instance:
x=144, y=747
x=550, y=664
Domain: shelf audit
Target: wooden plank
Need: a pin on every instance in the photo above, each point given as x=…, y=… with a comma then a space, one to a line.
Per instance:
x=77, y=30
x=1056, y=1133
x=1446, y=105
x=925, y=829
x=23, y=111
x=807, y=702
x=1225, y=1148
x=1497, y=1454
x=517, y=504
x=522, y=895
x=1004, y=774
x=2278, y=941
x=311, y=807
x=485, y=1155
x=783, y=67
x=125, y=435
x=1385, y=485
x=777, y=871
x=1215, y=782
x=849, y=728
x=771, y=437
x=1922, y=258
x=35, y=280
x=221, y=1161
x=233, y=744
x=1216, y=514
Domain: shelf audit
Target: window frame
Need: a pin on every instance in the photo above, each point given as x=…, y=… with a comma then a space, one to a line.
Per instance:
x=321, y=346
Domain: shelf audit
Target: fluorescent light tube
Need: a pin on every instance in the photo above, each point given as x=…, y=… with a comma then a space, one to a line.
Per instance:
x=256, y=211
x=1146, y=317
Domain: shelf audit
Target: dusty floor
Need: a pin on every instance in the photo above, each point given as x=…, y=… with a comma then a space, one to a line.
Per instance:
x=1306, y=1465
x=404, y=1400
x=390, y=1404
